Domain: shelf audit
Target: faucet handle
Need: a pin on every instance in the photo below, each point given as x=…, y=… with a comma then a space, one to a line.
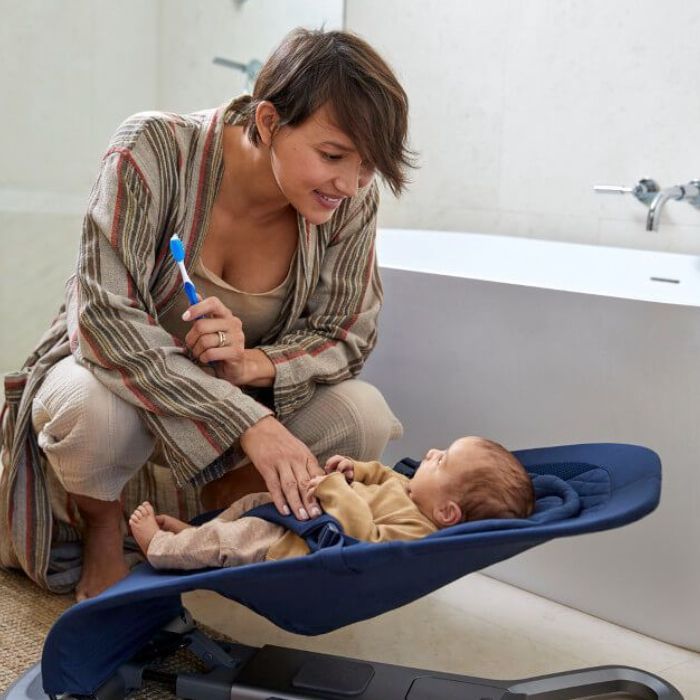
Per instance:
x=612, y=189
x=691, y=192
x=644, y=190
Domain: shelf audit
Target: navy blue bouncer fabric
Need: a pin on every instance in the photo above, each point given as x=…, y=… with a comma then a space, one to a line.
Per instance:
x=579, y=489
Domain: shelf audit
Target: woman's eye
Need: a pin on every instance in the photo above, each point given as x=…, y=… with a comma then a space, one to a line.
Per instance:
x=330, y=156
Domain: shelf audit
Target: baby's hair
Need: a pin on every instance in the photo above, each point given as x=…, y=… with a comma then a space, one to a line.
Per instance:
x=498, y=487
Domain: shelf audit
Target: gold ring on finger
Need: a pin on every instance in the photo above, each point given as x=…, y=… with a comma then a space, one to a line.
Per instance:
x=222, y=338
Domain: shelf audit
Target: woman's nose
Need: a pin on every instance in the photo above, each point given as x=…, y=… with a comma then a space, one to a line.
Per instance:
x=348, y=183
x=355, y=175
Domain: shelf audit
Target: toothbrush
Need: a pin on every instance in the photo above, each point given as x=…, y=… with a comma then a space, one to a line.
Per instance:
x=177, y=250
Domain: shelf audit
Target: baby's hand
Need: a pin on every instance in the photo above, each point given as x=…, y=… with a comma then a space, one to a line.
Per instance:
x=344, y=465
x=313, y=483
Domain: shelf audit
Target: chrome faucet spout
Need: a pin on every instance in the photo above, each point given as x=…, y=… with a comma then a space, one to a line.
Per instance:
x=657, y=204
x=648, y=193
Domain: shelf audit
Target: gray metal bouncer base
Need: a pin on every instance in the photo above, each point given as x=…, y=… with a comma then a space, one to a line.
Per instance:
x=239, y=672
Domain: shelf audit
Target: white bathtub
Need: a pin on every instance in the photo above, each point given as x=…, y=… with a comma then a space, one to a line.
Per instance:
x=538, y=343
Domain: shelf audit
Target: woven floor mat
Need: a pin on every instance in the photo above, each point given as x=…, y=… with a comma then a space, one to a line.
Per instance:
x=26, y=615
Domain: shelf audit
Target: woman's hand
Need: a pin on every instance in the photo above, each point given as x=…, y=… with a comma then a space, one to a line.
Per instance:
x=344, y=465
x=286, y=464
x=217, y=338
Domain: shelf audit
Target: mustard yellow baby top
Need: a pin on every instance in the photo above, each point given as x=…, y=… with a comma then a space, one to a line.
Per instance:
x=375, y=507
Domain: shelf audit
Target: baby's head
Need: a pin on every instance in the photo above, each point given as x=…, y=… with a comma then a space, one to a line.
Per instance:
x=473, y=479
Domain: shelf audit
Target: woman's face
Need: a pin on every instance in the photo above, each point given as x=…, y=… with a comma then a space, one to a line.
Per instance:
x=316, y=166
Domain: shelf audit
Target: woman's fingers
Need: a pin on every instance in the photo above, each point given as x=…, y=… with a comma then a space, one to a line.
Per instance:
x=290, y=488
x=207, y=341
x=205, y=335
x=209, y=350
x=211, y=306
x=204, y=326
x=284, y=462
x=208, y=347
x=273, y=486
x=292, y=493
x=304, y=474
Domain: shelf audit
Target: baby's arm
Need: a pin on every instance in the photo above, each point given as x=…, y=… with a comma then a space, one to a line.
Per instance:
x=364, y=472
x=344, y=465
x=340, y=500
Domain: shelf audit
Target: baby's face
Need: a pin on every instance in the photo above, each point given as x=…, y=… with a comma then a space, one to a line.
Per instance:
x=440, y=471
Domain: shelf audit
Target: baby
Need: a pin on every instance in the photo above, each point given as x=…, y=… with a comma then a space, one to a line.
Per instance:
x=473, y=479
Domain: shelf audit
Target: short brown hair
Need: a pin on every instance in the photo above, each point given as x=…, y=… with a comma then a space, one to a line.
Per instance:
x=497, y=488
x=311, y=68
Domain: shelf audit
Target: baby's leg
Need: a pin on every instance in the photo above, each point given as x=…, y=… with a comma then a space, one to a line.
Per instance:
x=244, y=504
x=170, y=524
x=217, y=543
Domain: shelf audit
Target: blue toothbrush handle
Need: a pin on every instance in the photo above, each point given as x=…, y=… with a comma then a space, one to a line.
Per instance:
x=191, y=293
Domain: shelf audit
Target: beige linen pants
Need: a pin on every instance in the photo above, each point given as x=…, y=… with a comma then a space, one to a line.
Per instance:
x=227, y=540
x=95, y=441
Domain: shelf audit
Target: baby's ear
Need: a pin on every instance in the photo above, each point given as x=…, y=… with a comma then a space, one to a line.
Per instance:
x=449, y=513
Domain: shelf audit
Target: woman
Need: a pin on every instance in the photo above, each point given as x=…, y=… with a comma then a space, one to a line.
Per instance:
x=275, y=201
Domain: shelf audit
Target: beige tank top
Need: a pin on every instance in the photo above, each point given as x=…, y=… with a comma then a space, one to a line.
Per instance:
x=258, y=311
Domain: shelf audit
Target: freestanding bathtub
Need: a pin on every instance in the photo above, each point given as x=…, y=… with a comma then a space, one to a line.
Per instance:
x=536, y=343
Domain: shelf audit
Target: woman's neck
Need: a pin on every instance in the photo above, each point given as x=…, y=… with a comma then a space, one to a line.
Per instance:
x=248, y=188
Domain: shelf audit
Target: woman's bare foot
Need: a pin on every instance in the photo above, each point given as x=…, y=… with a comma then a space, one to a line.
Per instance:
x=170, y=524
x=103, y=554
x=143, y=525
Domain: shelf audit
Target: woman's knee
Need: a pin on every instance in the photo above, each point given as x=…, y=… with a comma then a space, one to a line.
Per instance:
x=83, y=428
x=370, y=418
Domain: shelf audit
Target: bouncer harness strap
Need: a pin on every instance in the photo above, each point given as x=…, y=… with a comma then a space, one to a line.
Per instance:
x=320, y=533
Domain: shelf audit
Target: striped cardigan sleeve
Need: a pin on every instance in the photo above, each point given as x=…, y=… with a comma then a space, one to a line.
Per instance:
x=112, y=320
x=338, y=329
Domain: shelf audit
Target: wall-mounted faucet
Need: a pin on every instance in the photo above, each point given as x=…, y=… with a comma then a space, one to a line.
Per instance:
x=648, y=193
x=690, y=192
x=251, y=69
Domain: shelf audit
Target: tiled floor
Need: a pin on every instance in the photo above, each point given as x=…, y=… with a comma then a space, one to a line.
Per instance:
x=477, y=626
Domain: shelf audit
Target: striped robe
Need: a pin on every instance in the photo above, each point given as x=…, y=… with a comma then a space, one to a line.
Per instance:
x=160, y=176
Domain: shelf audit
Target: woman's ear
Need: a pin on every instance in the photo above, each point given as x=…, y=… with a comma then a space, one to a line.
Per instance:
x=448, y=513
x=266, y=120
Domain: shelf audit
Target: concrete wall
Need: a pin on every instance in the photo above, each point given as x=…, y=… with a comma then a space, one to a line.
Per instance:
x=191, y=34
x=518, y=107
x=71, y=71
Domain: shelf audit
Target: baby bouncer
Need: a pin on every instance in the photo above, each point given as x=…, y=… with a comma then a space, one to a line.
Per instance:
x=114, y=644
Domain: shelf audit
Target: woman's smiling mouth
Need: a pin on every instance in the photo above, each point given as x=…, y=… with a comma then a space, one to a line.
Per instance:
x=327, y=201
